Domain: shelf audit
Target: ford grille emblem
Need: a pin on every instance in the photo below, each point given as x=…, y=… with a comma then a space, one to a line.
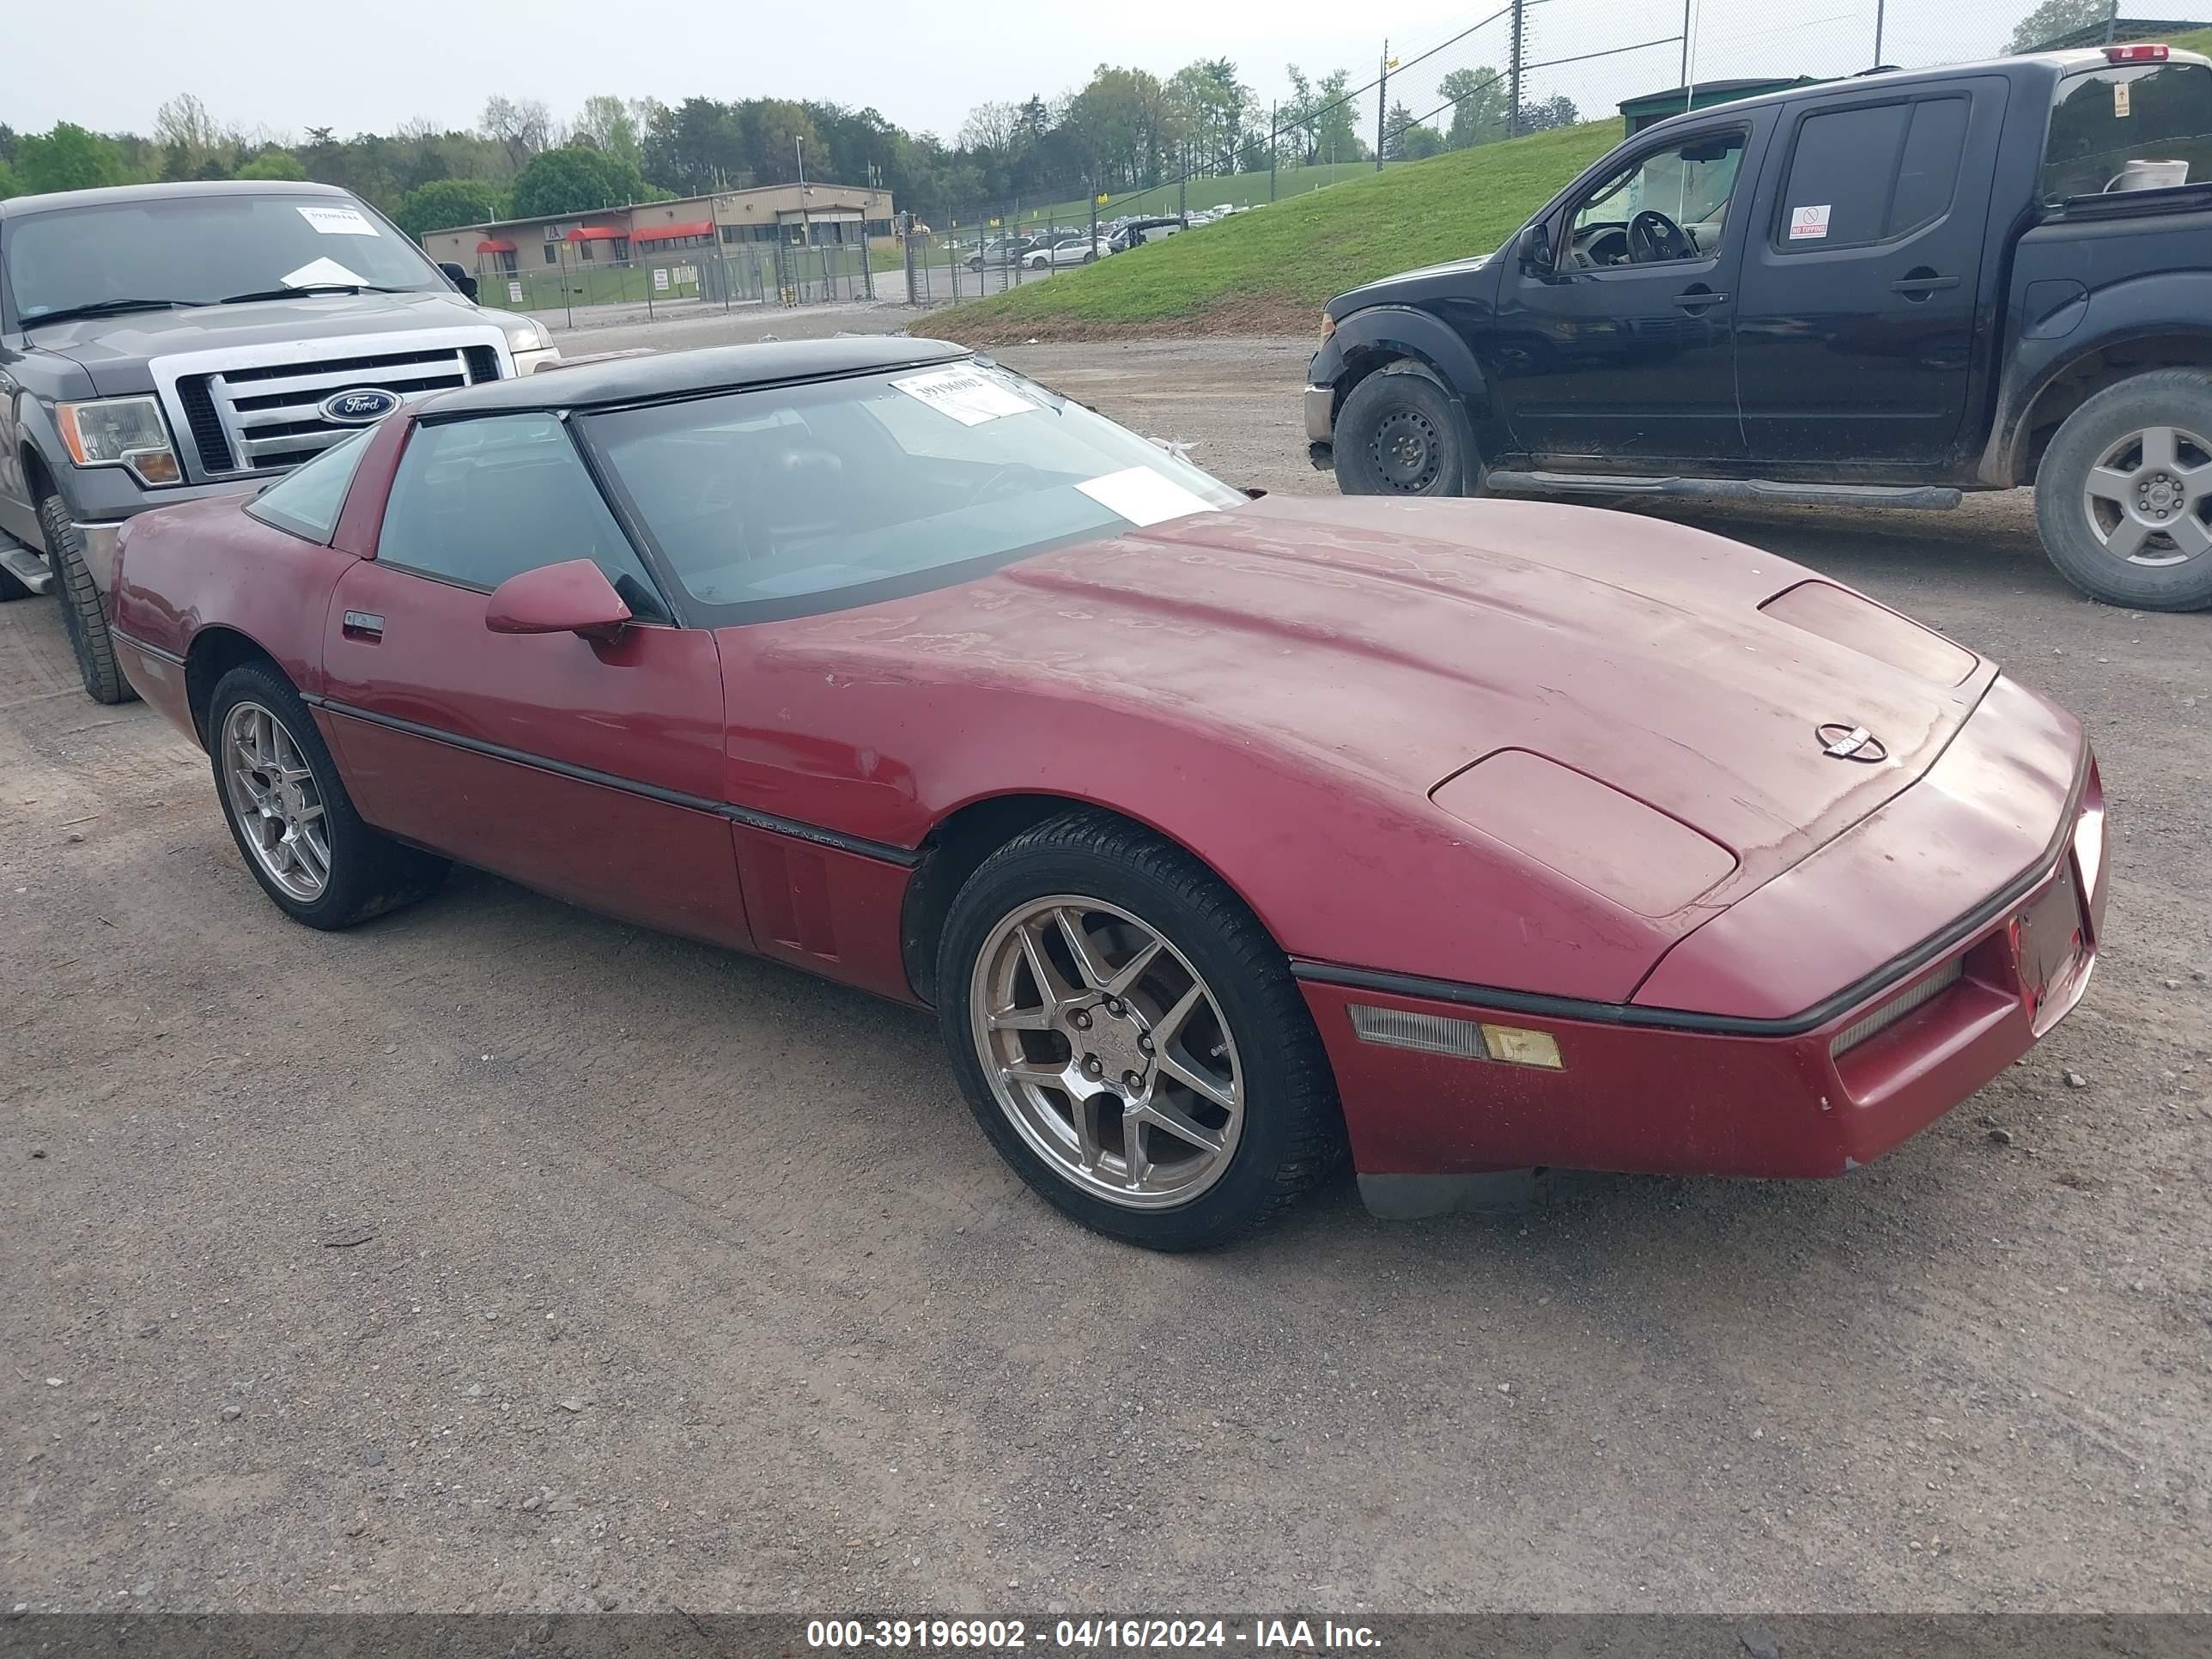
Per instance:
x=1850, y=743
x=360, y=406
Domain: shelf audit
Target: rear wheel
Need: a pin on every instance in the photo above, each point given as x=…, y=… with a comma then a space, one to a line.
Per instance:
x=2123, y=493
x=1130, y=1038
x=1398, y=434
x=83, y=617
x=289, y=810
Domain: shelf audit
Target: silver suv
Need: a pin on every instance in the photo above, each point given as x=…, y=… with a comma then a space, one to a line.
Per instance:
x=165, y=342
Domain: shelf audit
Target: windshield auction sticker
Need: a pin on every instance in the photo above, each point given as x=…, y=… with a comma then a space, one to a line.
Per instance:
x=1808, y=224
x=1144, y=496
x=968, y=395
x=338, y=221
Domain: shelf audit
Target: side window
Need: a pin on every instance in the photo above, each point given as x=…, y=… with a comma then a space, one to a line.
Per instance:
x=1929, y=168
x=477, y=501
x=1871, y=174
x=307, y=501
x=1688, y=186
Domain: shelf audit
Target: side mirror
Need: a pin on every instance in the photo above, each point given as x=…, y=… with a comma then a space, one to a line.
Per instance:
x=573, y=597
x=1535, y=251
x=459, y=278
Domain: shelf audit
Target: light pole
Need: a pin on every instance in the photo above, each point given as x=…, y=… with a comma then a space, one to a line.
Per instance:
x=805, y=225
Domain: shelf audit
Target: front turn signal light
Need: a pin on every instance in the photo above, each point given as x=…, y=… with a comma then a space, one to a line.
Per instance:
x=1327, y=327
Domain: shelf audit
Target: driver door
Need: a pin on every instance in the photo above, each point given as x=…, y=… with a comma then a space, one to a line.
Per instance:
x=1624, y=349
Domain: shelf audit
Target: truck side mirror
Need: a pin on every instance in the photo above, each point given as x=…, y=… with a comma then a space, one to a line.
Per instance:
x=460, y=278
x=1536, y=250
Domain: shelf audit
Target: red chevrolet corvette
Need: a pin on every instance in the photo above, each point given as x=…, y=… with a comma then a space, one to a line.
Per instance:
x=1223, y=834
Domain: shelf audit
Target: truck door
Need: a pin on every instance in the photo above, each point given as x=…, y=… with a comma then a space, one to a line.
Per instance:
x=1620, y=345
x=1861, y=284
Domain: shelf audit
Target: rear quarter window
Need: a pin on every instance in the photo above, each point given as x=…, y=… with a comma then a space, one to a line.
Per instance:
x=1871, y=173
x=307, y=499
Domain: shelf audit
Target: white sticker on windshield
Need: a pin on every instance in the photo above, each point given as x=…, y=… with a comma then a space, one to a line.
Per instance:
x=1808, y=224
x=338, y=221
x=316, y=272
x=2120, y=100
x=968, y=395
x=1144, y=496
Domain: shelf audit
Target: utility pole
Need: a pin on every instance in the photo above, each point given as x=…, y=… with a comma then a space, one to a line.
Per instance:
x=1513, y=115
x=1272, y=111
x=1878, y=9
x=1382, y=105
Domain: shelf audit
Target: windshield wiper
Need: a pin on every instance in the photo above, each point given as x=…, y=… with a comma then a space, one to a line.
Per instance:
x=308, y=288
x=98, y=308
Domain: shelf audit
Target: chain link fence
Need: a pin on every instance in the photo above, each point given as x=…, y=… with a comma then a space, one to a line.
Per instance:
x=721, y=276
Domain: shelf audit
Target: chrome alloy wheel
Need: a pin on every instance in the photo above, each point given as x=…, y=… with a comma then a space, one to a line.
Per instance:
x=2146, y=499
x=1107, y=1052
x=274, y=798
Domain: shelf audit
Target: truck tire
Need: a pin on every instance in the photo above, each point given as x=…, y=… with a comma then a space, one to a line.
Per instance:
x=83, y=617
x=2123, y=493
x=1398, y=434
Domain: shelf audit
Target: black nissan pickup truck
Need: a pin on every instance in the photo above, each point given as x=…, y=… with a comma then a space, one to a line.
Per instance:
x=1885, y=290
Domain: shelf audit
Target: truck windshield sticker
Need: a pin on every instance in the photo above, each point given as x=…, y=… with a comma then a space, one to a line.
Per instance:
x=2120, y=100
x=1144, y=496
x=338, y=221
x=317, y=273
x=968, y=395
x=1808, y=224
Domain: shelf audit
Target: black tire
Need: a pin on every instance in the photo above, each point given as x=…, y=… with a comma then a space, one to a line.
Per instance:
x=369, y=873
x=1292, y=1133
x=2073, y=527
x=83, y=617
x=1091, y=257
x=1398, y=434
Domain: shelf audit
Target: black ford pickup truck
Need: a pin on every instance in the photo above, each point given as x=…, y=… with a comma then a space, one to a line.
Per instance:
x=1886, y=291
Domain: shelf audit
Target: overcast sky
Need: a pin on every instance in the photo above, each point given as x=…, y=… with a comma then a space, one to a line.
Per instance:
x=924, y=64
x=371, y=66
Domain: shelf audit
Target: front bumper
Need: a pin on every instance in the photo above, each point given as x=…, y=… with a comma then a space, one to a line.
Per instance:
x=1321, y=414
x=1715, y=1096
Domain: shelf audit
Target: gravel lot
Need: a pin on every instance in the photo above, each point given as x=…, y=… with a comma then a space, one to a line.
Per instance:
x=498, y=1256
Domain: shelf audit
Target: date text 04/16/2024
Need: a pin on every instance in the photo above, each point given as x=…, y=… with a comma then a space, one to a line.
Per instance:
x=1091, y=1635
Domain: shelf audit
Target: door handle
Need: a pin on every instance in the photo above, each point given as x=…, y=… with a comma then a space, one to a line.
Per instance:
x=1696, y=299
x=1921, y=283
x=365, y=625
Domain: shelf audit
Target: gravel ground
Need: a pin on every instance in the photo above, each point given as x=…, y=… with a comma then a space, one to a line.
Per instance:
x=498, y=1256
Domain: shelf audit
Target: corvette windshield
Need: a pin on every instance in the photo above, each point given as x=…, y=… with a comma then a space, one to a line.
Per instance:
x=770, y=502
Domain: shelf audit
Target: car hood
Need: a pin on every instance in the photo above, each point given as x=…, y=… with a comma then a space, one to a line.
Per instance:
x=1390, y=645
x=1408, y=285
x=115, y=350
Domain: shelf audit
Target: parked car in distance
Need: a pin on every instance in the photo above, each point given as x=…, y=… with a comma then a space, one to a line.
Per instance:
x=161, y=342
x=896, y=667
x=1066, y=251
x=1138, y=232
x=1000, y=250
x=1885, y=290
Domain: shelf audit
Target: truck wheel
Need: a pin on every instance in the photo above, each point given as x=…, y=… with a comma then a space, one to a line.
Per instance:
x=83, y=617
x=2124, y=495
x=1399, y=435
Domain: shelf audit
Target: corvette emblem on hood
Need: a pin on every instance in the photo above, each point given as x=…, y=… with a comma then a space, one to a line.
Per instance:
x=1851, y=743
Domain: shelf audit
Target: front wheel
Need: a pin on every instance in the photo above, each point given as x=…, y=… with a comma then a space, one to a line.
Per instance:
x=1131, y=1040
x=1398, y=434
x=84, y=618
x=289, y=810
x=2123, y=493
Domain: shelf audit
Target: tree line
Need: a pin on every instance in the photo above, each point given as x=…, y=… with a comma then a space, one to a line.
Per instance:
x=1124, y=129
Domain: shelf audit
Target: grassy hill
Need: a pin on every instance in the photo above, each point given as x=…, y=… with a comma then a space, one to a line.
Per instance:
x=1272, y=269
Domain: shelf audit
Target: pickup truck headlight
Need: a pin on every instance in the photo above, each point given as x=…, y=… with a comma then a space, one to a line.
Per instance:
x=1327, y=327
x=126, y=432
x=526, y=336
